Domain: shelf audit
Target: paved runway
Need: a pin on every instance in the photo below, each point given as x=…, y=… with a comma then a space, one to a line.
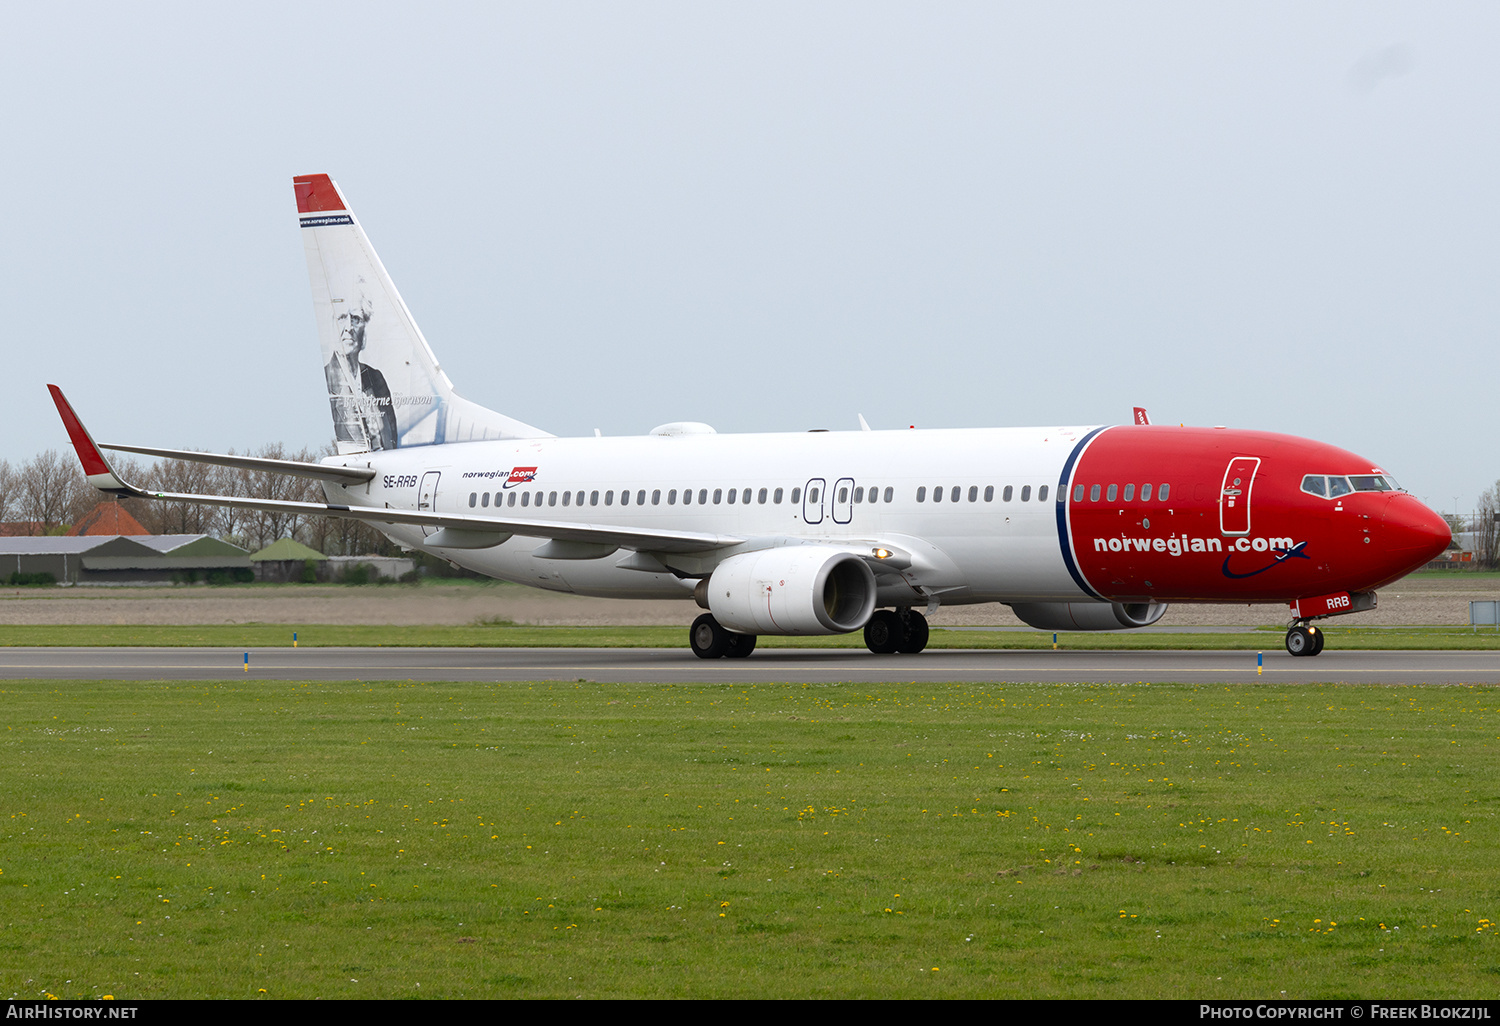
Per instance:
x=680, y=666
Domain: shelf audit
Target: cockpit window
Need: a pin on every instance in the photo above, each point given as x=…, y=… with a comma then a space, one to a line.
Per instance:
x=1333, y=487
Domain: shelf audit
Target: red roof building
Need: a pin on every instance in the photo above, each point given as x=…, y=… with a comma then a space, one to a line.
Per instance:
x=107, y=518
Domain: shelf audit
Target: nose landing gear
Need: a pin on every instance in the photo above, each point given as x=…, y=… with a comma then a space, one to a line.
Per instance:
x=1303, y=640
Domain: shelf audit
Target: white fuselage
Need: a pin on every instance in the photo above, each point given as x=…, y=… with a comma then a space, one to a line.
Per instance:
x=979, y=548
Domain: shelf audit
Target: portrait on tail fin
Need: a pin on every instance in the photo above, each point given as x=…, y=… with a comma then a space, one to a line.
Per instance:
x=363, y=412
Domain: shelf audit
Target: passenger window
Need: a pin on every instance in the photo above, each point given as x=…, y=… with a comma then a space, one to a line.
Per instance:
x=526, y=498
x=843, y=495
x=745, y=497
x=511, y=501
x=973, y=493
x=625, y=497
x=796, y=495
x=499, y=498
x=922, y=494
x=552, y=498
x=687, y=496
x=989, y=493
x=1026, y=493
x=1078, y=493
x=761, y=497
x=1145, y=493
x=1094, y=494
x=812, y=495
x=1010, y=492
x=718, y=496
x=732, y=494
x=609, y=497
x=703, y=496
x=484, y=500
x=1162, y=492
x=859, y=494
x=473, y=498
x=1129, y=492
x=889, y=493
x=1109, y=496
x=954, y=496
x=937, y=494
x=566, y=497
x=672, y=497
x=640, y=497
x=1041, y=494
x=656, y=497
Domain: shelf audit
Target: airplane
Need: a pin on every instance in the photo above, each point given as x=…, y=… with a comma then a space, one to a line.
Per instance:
x=825, y=532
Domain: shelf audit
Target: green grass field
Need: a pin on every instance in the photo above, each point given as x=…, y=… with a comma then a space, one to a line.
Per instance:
x=261, y=635
x=293, y=840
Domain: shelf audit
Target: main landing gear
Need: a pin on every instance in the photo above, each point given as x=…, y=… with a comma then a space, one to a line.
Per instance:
x=1303, y=640
x=889, y=630
x=712, y=641
x=896, y=630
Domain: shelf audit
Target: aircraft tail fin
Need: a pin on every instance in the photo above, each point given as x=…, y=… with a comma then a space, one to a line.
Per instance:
x=386, y=389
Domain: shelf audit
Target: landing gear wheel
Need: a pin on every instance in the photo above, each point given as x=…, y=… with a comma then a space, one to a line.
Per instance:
x=1318, y=637
x=916, y=633
x=884, y=632
x=708, y=639
x=740, y=645
x=1300, y=641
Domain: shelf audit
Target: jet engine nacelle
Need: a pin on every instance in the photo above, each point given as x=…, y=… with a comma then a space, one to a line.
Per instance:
x=795, y=589
x=1088, y=616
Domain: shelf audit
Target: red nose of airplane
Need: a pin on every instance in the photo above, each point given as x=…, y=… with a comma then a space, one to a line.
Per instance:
x=1412, y=534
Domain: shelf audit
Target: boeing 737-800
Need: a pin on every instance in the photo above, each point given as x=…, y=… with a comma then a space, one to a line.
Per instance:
x=1075, y=528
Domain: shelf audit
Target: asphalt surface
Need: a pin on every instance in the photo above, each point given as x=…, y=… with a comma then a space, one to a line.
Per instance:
x=680, y=666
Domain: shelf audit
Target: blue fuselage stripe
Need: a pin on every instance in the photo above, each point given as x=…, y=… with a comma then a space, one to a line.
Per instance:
x=1064, y=538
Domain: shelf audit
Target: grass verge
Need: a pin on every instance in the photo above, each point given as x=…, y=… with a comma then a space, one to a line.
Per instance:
x=388, y=840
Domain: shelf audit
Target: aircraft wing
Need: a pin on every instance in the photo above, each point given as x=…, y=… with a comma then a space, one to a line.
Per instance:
x=322, y=472
x=462, y=530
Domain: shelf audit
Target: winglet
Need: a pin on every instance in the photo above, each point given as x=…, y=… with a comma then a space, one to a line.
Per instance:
x=1140, y=415
x=100, y=474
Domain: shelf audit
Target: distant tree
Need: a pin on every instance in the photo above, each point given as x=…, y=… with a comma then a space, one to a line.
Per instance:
x=10, y=491
x=1486, y=530
x=48, y=489
x=261, y=527
x=183, y=477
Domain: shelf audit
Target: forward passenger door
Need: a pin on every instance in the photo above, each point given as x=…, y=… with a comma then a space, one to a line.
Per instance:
x=842, y=500
x=812, y=501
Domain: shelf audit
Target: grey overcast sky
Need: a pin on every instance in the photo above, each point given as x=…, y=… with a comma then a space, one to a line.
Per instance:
x=772, y=216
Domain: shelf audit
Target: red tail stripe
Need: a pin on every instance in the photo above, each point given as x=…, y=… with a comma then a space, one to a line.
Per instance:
x=315, y=193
